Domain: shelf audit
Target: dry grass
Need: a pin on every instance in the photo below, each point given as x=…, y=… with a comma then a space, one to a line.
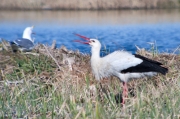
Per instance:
x=88, y=4
x=36, y=87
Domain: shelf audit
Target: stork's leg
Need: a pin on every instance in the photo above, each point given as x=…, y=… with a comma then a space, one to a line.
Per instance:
x=125, y=92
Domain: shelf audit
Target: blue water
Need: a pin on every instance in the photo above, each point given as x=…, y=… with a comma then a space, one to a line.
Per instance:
x=165, y=35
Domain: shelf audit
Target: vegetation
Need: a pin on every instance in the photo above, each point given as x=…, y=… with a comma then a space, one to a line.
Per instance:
x=57, y=83
x=87, y=4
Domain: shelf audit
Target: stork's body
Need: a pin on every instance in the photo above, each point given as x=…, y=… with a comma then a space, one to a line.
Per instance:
x=26, y=43
x=121, y=64
x=117, y=63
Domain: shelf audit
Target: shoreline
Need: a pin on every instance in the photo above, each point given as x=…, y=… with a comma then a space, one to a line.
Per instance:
x=58, y=9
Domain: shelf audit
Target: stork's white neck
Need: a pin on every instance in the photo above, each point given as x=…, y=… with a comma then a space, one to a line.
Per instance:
x=95, y=53
x=95, y=62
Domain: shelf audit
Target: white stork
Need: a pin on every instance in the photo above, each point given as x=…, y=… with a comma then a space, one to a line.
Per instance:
x=121, y=64
x=26, y=43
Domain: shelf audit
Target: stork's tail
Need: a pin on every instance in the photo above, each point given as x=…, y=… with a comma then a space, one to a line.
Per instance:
x=162, y=70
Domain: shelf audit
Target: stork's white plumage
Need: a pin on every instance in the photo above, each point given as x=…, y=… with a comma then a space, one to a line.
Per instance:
x=121, y=64
x=26, y=43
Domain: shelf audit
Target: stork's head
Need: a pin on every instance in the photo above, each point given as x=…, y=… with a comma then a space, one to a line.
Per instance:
x=94, y=43
x=27, y=33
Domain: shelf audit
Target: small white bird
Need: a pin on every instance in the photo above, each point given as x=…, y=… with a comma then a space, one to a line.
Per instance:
x=121, y=64
x=26, y=43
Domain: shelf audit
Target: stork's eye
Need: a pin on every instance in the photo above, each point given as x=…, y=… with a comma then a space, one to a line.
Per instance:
x=93, y=41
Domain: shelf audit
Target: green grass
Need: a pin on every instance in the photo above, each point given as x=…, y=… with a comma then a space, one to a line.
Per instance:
x=71, y=94
x=35, y=99
x=28, y=64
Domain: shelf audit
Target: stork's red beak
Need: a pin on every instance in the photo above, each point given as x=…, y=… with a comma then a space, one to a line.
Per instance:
x=83, y=37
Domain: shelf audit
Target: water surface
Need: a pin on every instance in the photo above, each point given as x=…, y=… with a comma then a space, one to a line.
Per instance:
x=115, y=29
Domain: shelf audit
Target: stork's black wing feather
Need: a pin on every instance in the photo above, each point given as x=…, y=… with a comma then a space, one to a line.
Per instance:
x=144, y=58
x=147, y=65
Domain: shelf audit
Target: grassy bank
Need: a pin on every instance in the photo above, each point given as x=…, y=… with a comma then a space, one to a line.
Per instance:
x=87, y=4
x=57, y=83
